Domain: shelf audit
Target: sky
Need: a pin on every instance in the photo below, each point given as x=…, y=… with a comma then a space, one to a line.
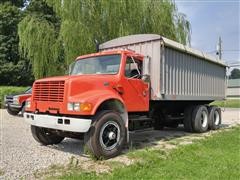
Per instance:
x=210, y=19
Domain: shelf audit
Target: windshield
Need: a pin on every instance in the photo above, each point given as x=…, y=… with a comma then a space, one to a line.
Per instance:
x=108, y=64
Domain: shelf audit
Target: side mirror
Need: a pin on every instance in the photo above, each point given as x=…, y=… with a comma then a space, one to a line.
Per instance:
x=146, y=69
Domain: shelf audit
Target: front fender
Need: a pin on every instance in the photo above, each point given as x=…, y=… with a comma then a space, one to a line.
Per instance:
x=96, y=98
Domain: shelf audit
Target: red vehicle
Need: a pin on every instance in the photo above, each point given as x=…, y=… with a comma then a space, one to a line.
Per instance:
x=15, y=103
x=111, y=92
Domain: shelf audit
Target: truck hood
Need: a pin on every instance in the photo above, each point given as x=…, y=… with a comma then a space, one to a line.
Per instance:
x=72, y=77
x=55, y=78
x=83, y=83
x=78, y=84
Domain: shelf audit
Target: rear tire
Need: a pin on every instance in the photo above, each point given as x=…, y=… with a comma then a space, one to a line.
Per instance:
x=106, y=137
x=200, y=119
x=215, y=117
x=44, y=136
x=187, y=121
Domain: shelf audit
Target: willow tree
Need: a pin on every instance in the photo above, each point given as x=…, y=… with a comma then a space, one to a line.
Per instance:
x=38, y=39
x=84, y=21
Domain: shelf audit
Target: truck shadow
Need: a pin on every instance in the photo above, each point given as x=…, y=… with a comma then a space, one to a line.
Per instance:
x=149, y=138
x=137, y=140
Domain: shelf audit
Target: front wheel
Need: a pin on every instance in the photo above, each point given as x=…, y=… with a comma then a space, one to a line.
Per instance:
x=45, y=136
x=12, y=112
x=106, y=136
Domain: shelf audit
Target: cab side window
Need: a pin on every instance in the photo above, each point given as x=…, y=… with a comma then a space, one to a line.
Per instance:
x=133, y=68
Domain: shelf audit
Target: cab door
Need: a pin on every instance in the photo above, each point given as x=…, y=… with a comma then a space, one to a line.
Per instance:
x=135, y=90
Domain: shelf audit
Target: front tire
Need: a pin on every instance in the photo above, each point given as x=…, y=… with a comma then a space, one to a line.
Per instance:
x=12, y=112
x=106, y=136
x=44, y=136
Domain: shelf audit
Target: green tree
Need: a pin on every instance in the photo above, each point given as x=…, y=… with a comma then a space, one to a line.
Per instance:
x=9, y=18
x=38, y=33
x=13, y=69
x=84, y=21
x=235, y=74
x=17, y=3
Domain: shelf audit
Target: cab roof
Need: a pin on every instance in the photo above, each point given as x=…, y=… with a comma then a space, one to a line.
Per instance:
x=109, y=52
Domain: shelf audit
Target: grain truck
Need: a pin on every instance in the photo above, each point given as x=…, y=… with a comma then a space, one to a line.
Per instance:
x=132, y=82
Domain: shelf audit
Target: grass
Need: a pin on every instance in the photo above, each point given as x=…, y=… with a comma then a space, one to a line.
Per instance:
x=229, y=103
x=6, y=90
x=216, y=157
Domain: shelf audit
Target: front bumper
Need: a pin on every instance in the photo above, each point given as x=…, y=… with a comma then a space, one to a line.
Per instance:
x=58, y=123
x=15, y=106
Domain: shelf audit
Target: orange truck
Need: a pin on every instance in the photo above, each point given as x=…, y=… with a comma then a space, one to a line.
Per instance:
x=133, y=82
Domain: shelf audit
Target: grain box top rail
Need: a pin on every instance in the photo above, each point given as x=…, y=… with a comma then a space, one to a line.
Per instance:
x=141, y=38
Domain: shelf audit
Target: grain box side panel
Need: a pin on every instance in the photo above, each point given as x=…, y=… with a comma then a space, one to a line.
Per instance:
x=188, y=77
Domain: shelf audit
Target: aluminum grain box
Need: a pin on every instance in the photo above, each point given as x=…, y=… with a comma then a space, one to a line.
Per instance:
x=177, y=71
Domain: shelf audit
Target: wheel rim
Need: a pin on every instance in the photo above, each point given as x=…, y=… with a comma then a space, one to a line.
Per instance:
x=216, y=118
x=109, y=135
x=204, y=119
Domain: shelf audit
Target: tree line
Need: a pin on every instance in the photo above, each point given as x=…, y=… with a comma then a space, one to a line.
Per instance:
x=40, y=38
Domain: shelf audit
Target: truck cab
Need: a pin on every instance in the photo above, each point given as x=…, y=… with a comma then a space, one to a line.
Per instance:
x=94, y=99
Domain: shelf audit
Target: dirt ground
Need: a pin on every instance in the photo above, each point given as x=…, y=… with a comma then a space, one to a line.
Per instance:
x=22, y=156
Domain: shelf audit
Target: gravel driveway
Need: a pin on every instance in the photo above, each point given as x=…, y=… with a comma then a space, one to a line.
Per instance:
x=21, y=155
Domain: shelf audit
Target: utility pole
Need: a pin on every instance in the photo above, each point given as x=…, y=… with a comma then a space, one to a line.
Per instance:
x=219, y=48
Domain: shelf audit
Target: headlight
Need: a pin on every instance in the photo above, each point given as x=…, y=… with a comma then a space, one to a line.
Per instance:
x=28, y=104
x=76, y=107
x=15, y=100
x=73, y=106
x=79, y=106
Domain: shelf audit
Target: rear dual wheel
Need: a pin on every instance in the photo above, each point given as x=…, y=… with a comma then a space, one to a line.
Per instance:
x=200, y=118
x=187, y=121
x=215, y=117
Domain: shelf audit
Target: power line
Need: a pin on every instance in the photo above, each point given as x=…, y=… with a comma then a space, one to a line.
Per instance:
x=232, y=50
x=229, y=50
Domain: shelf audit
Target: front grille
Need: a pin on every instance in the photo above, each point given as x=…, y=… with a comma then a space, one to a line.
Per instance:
x=9, y=99
x=52, y=91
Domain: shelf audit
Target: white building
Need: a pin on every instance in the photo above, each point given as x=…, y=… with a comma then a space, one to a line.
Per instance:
x=233, y=89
